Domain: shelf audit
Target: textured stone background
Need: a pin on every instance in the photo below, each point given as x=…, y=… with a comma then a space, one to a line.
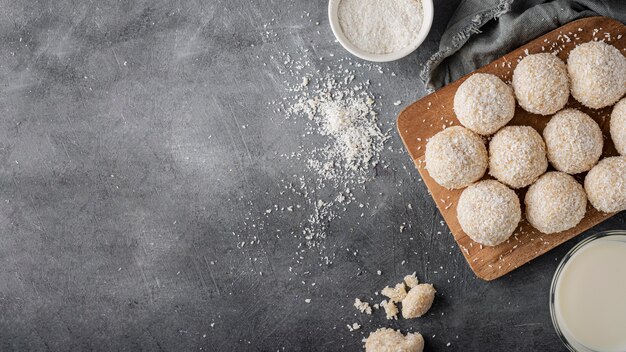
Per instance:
x=120, y=216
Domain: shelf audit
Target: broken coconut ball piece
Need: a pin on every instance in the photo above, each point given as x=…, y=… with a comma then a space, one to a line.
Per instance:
x=389, y=340
x=415, y=303
x=418, y=301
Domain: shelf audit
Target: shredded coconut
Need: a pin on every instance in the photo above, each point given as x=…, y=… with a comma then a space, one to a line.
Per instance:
x=350, y=124
x=381, y=26
x=328, y=111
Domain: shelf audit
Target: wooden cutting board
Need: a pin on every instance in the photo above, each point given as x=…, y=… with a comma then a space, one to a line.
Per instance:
x=433, y=113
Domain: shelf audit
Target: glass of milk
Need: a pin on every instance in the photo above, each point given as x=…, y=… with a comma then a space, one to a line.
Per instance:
x=588, y=294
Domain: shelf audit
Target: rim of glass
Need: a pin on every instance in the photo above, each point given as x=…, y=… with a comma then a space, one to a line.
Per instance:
x=555, y=279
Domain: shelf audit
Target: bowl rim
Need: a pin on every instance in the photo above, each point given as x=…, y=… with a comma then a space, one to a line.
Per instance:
x=555, y=280
x=427, y=21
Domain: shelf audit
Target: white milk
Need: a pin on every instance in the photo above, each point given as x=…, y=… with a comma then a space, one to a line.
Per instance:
x=590, y=296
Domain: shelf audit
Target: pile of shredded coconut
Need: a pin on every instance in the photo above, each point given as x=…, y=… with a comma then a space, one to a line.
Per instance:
x=333, y=113
x=341, y=112
x=349, y=122
x=381, y=26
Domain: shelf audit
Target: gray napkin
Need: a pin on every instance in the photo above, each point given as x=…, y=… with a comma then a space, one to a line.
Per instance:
x=481, y=31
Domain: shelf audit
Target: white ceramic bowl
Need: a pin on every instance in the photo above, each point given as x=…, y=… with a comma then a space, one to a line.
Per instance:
x=427, y=21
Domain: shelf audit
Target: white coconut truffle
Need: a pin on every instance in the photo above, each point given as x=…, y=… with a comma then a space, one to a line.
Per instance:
x=605, y=185
x=488, y=212
x=597, y=72
x=418, y=301
x=573, y=141
x=618, y=126
x=389, y=340
x=555, y=203
x=456, y=157
x=484, y=103
x=517, y=156
x=541, y=84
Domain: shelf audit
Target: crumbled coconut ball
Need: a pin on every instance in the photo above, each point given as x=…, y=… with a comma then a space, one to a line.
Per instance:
x=418, y=301
x=484, y=103
x=605, y=185
x=541, y=84
x=598, y=74
x=456, y=157
x=488, y=212
x=363, y=307
x=517, y=156
x=395, y=294
x=618, y=126
x=391, y=310
x=389, y=340
x=555, y=203
x=573, y=140
x=411, y=280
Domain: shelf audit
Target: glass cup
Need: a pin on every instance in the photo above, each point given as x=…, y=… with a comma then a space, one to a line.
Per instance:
x=566, y=337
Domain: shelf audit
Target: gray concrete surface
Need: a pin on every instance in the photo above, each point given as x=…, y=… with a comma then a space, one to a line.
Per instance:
x=127, y=180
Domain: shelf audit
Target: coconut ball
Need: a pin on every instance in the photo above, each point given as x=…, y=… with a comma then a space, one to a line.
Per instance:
x=597, y=72
x=456, y=157
x=555, y=203
x=418, y=301
x=389, y=340
x=618, y=126
x=517, y=156
x=606, y=185
x=541, y=84
x=488, y=212
x=573, y=140
x=484, y=103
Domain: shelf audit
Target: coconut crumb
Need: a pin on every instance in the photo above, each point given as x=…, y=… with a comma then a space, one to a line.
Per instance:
x=354, y=327
x=386, y=340
x=390, y=309
x=395, y=294
x=363, y=307
x=411, y=280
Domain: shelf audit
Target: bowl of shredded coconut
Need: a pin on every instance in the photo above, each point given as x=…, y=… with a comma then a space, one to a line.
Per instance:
x=380, y=30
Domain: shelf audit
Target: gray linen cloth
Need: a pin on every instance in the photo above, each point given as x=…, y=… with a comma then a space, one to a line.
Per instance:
x=481, y=31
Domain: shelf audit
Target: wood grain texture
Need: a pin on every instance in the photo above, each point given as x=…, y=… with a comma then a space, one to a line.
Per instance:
x=433, y=113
